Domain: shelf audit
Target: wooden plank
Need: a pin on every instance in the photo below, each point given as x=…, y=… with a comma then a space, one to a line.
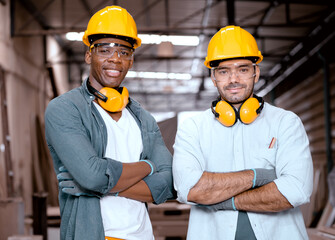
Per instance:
x=323, y=224
x=46, y=165
x=26, y=237
x=307, y=101
x=37, y=171
x=315, y=234
x=316, y=135
x=44, y=177
x=309, y=208
x=6, y=137
x=308, y=87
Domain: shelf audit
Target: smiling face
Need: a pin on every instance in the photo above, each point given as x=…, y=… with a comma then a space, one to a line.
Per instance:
x=235, y=90
x=107, y=71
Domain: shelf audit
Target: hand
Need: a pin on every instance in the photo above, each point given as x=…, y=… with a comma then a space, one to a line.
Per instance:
x=63, y=175
x=73, y=188
x=264, y=176
x=69, y=186
x=151, y=164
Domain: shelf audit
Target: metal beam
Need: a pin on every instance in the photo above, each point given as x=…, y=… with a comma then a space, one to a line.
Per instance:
x=327, y=111
x=35, y=13
x=167, y=13
x=87, y=7
x=231, y=12
x=5, y=145
x=287, y=13
x=197, y=13
x=266, y=15
x=146, y=9
x=169, y=30
x=305, y=2
x=204, y=23
x=93, y=10
x=319, y=37
x=12, y=17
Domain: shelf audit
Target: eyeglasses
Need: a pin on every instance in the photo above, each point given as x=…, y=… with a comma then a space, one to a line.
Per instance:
x=107, y=50
x=242, y=71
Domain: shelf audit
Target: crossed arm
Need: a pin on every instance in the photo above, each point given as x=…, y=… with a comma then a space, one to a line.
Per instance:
x=131, y=184
x=135, y=181
x=214, y=190
x=194, y=158
x=90, y=174
x=139, y=191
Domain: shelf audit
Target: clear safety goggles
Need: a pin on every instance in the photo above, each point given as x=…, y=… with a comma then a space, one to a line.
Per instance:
x=242, y=71
x=107, y=50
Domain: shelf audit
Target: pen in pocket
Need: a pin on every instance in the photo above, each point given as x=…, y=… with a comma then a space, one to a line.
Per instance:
x=272, y=143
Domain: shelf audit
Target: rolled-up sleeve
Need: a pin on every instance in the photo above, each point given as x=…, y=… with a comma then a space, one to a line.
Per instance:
x=187, y=159
x=70, y=145
x=294, y=165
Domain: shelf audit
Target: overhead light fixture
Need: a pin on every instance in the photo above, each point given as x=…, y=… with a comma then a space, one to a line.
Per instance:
x=174, y=39
x=74, y=36
x=149, y=39
x=159, y=75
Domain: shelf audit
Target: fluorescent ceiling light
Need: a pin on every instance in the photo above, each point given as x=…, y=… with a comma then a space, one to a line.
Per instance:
x=74, y=36
x=149, y=39
x=174, y=39
x=159, y=75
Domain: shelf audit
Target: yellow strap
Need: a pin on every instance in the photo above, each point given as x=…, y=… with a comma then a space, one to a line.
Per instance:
x=111, y=238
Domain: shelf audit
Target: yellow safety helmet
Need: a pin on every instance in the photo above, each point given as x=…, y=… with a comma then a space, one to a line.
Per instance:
x=112, y=20
x=232, y=42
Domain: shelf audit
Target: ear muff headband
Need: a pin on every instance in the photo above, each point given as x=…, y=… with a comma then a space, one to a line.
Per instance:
x=247, y=112
x=111, y=99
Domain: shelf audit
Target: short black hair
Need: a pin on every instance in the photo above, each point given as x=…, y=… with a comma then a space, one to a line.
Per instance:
x=216, y=63
x=95, y=37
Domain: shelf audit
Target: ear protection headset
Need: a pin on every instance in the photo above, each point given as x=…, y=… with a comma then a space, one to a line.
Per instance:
x=110, y=99
x=226, y=113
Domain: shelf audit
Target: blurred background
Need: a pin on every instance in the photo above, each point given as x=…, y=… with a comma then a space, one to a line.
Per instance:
x=42, y=56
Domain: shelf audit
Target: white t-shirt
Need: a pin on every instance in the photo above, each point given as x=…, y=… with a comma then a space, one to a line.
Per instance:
x=123, y=217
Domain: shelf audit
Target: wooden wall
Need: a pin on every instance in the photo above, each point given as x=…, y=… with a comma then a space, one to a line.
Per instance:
x=28, y=92
x=307, y=101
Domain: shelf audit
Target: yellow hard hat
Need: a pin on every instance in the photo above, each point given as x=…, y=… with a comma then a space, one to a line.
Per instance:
x=232, y=42
x=112, y=20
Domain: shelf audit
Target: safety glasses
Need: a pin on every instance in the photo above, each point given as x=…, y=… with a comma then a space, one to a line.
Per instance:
x=107, y=50
x=242, y=71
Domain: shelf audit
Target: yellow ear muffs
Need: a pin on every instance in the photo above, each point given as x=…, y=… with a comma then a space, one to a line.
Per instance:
x=226, y=113
x=116, y=101
x=249, y=110
x=110, y=99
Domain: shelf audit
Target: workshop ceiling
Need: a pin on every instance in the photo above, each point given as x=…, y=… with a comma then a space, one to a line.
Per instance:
x=289, y=33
